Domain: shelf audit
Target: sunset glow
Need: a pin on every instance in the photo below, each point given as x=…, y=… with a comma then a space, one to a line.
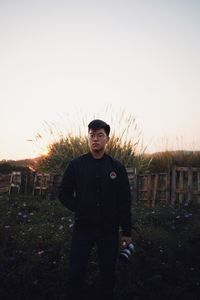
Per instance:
x=65, y=62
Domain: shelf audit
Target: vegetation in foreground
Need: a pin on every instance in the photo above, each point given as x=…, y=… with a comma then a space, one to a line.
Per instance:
x=35, y=241
x=35, y=236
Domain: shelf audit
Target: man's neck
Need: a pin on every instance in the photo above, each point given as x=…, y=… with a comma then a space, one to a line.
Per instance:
x=97, y=154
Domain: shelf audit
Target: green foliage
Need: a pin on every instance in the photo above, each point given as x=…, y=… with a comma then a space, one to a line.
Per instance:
x=61, y=152
x=166, y=264
x=163, y=161
x=7, y=167
x=125, y=144
x=35, y=243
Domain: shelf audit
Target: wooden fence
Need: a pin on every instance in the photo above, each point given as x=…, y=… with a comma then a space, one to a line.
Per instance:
x=36, y=184
x=179, y=185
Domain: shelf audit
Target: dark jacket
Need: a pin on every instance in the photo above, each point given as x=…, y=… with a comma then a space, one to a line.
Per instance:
x=98, y=191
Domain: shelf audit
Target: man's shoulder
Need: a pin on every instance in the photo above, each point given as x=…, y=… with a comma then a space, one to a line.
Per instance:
x=80, y=159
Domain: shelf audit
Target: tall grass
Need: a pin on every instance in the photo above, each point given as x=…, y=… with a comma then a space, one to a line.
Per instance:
x=61, y=143
x=126, y=143
x=163, y=161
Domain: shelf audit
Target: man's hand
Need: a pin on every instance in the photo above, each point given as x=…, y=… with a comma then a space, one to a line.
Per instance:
x=125, y=241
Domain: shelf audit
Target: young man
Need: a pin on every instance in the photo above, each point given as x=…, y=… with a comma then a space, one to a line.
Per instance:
x=95, y=187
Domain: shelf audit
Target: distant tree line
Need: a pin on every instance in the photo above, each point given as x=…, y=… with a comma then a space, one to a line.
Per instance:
x=7, y=167
x=61, y=152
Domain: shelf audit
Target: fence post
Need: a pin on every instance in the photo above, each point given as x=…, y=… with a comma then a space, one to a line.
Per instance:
x=155, y=190
x=190, y=175
x=173, y=185
x=131, y=178
x=15, y=182
x=168, y=187
x=135, y=186
x=198, y=185
x=149, y=190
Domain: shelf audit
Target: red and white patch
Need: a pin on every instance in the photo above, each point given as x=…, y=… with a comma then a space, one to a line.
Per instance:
x=113, y=175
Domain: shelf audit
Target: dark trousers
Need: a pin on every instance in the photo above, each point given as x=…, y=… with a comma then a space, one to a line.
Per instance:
x=107, y=250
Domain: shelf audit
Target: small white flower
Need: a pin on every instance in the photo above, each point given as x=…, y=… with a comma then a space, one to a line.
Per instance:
x=61, y=227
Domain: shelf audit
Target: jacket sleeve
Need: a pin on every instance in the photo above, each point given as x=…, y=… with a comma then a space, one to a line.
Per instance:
x=67, y=188
x=125, y=203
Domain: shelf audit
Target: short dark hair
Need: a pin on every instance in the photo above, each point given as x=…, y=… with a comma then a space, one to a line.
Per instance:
x=98, y=124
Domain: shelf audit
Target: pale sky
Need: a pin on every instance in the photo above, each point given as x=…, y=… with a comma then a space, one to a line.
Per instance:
x=59, y=57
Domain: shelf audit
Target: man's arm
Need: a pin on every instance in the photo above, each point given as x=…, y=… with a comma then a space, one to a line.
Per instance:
x=67, y=189
x=125, y=204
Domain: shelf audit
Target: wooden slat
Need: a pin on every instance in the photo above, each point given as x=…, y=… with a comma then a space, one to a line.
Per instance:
x=179, y=184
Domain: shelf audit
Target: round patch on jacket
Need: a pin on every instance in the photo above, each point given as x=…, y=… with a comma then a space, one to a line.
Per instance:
x=113, y=175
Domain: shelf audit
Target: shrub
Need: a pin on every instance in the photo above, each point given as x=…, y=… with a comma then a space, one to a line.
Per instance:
x=163, y=161
x=6, y=167
x=129, y=150
x=35, y=242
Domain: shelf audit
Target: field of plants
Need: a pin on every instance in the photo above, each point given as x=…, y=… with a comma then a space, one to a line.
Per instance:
x=35, y=236
x=35, y=244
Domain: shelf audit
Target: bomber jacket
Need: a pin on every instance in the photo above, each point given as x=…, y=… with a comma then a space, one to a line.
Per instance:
x=98, y=191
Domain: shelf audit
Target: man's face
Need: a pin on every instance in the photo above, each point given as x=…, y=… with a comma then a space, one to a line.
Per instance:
x=97, y=140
